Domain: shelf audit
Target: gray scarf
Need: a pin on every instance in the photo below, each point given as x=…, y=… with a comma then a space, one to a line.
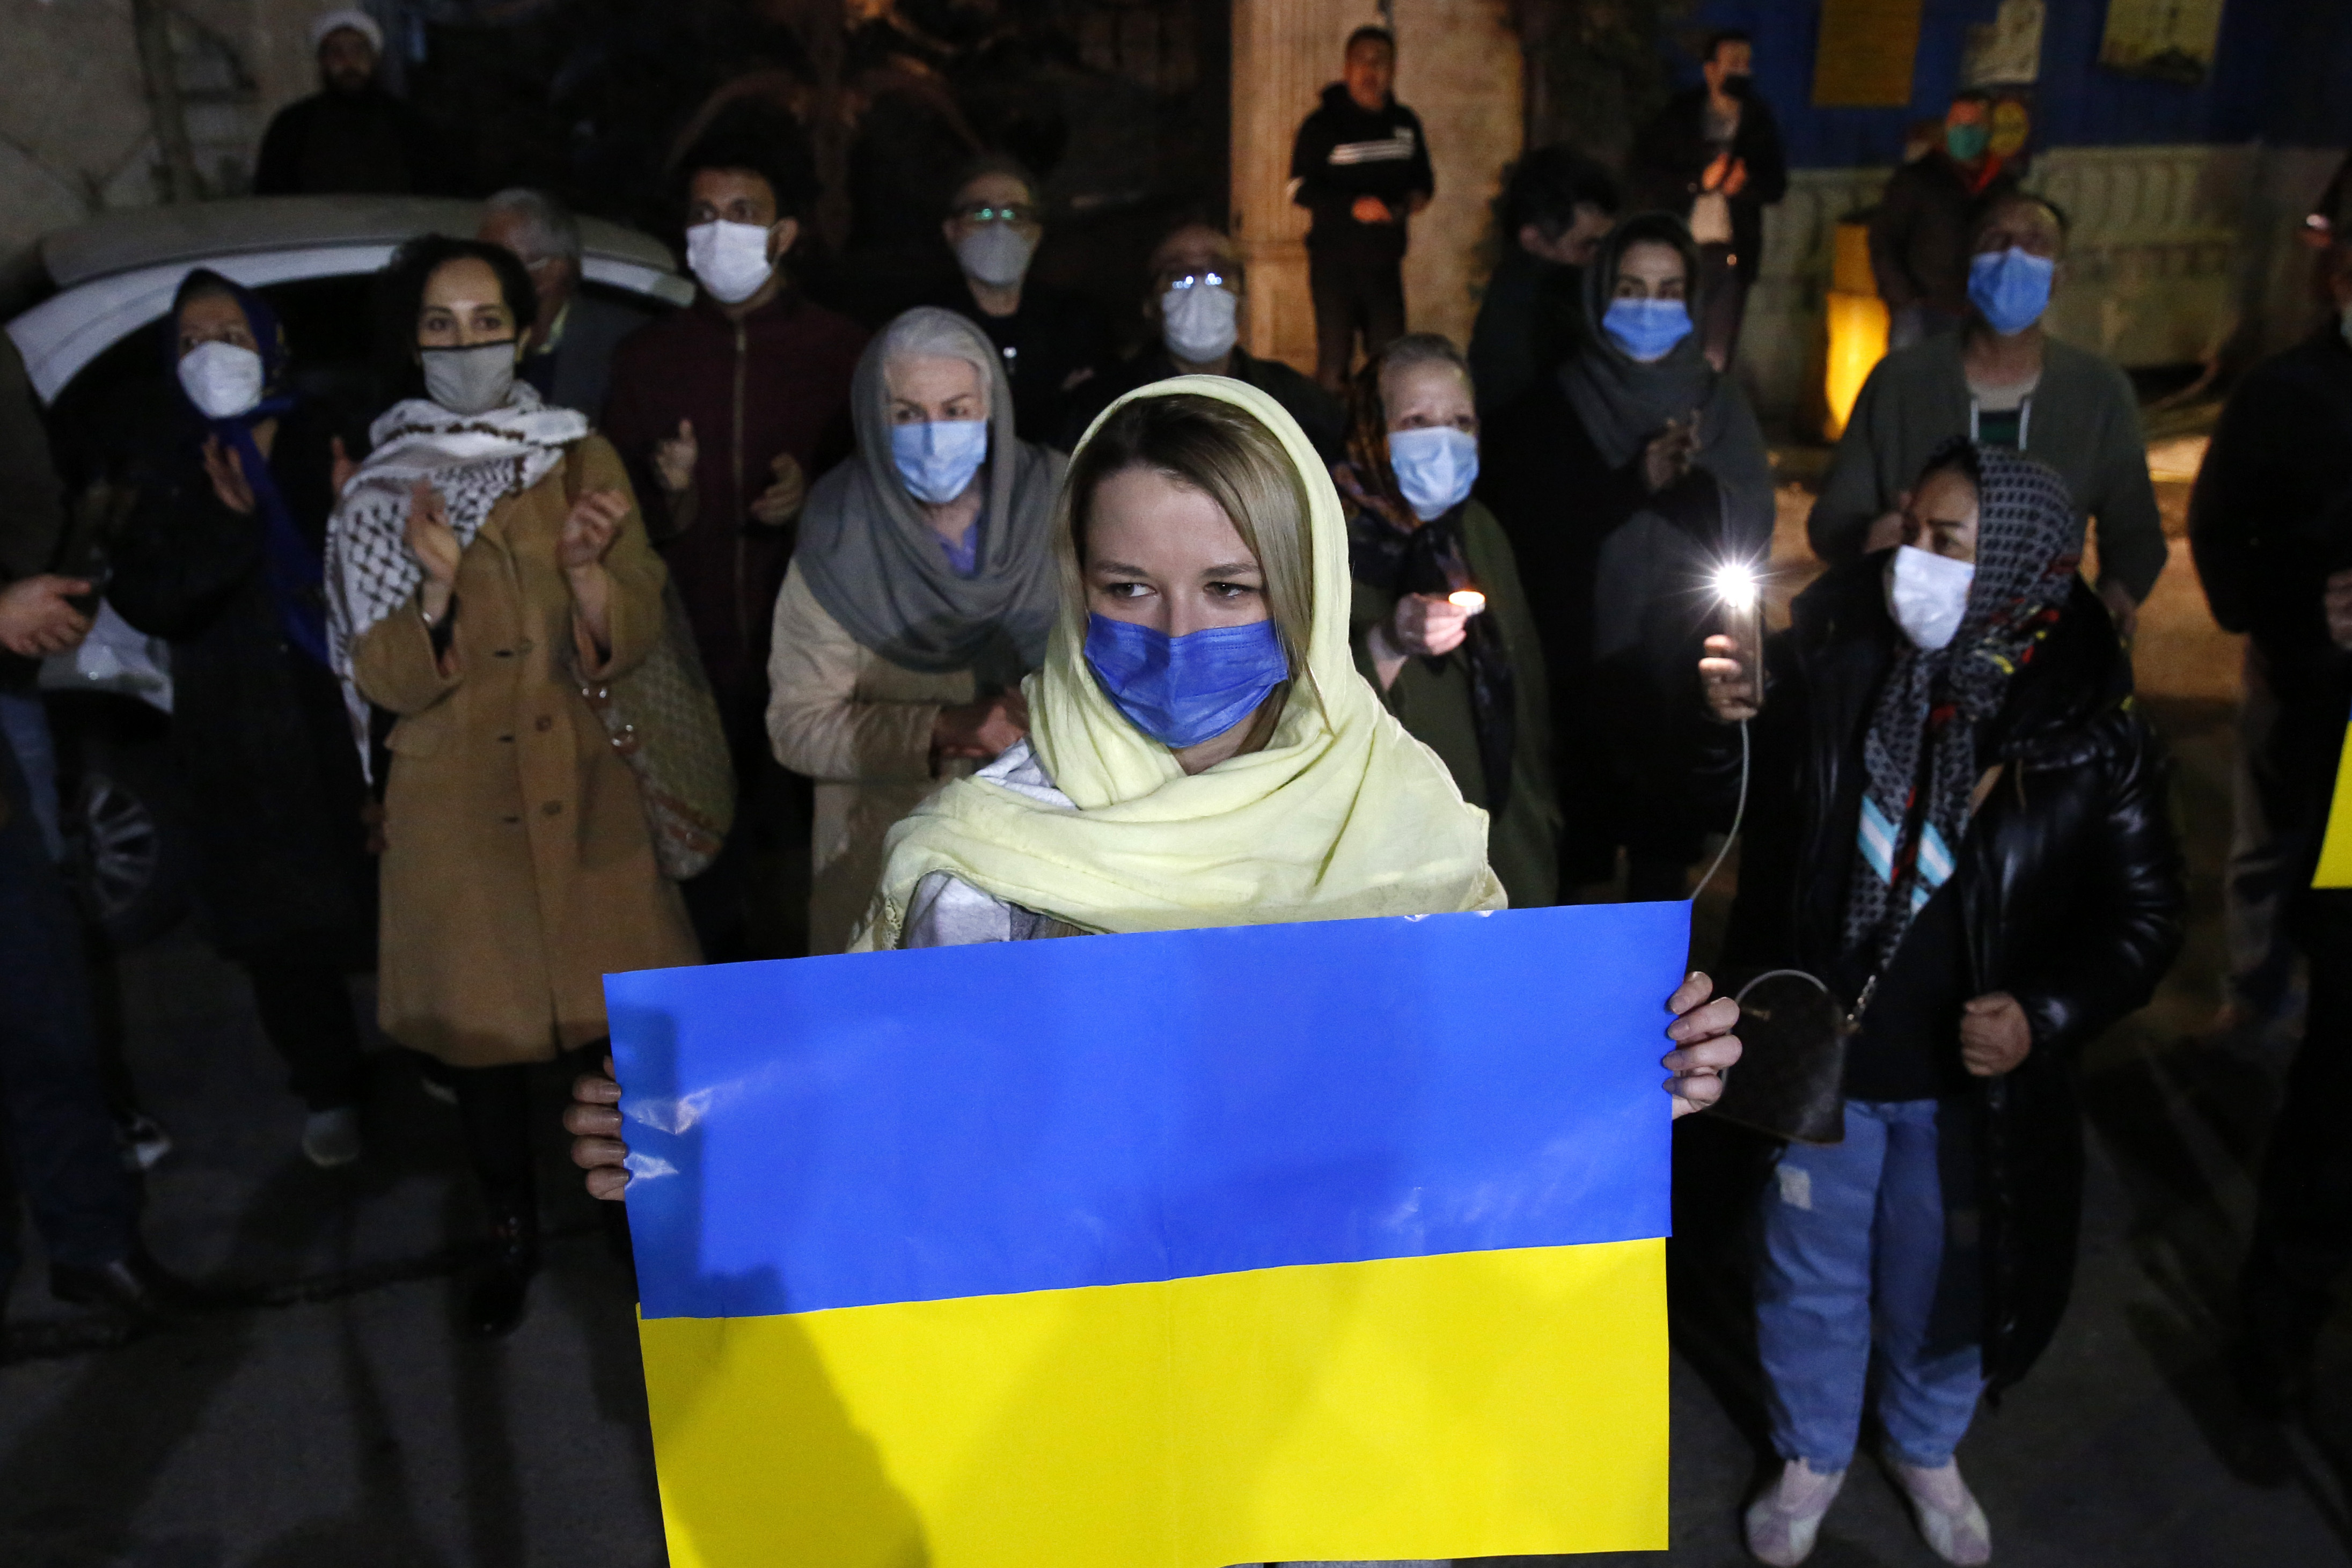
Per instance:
x=878, y=568
x=1623, y=402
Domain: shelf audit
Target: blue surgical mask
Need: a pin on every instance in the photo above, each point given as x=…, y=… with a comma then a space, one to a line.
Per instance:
x=2010, y=288
x=1435, y=467
x=1646, y=328
x=939, y=458
x=1967, y=143
x=1183, y=691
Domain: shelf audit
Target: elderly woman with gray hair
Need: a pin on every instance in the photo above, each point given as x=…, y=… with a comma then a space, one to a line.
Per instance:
x=920, y=594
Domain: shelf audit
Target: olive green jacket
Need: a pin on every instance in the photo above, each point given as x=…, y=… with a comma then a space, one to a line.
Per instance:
x=1434, y=705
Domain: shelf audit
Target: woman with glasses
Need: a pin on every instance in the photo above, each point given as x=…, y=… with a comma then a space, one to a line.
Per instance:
x=1052, y=340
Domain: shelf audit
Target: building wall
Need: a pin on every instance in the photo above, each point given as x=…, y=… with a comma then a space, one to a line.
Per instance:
x=76, y=134
x=2278, y=75
x=1458, y=68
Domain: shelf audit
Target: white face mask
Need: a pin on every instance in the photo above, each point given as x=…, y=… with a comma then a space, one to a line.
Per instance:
x=1928, y=595
x=996, y=253
x=1200, y=322
x=473, y=380
x=731, y=259
x=221, y=379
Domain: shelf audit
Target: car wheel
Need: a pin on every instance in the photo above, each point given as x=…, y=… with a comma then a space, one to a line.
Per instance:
x=132, y=868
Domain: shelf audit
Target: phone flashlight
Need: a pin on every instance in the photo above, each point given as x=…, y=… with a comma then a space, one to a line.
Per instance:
x=1742, y=598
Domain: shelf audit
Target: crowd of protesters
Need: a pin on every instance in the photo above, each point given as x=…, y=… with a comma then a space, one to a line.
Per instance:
x=861, y=557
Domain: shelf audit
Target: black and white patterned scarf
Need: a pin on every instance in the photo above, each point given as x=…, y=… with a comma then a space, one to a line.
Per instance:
x=1920, y=754
x=473, y=460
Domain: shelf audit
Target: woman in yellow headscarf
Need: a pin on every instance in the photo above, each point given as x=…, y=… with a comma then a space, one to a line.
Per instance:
x=1202, y=749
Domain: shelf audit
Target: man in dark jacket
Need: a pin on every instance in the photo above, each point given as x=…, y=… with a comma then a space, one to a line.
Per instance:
x=1919, y=237
x=1361, y=166
x=569, y=356
x=1556, y=209
x=724, y=412
x=2270, y=524
x=1957, y=824
x=1713, y=158
x=351, y=137
x=1195, y=306
x=1052, y=339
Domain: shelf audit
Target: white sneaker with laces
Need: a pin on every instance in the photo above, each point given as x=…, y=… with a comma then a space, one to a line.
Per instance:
x=1950, y=1518
x=1786, y=1516
x=331, y=1138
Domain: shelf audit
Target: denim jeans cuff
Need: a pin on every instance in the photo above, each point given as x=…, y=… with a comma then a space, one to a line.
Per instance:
x=1815, y=1462
x=1917, y=1458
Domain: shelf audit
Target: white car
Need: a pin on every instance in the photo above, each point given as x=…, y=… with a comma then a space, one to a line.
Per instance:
x=92, y=347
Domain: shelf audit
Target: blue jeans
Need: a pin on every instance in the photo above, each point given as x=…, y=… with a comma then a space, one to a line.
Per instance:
x=24, y=726
x=1864, y=1286
x=53, y=1121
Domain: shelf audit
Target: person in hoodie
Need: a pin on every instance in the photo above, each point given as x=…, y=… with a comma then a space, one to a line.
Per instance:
x=1361, y=166
x=722, y=411
x=1053, y=341
x=1195, y=306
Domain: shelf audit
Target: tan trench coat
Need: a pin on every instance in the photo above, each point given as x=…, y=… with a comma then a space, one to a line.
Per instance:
x=518, y=869
x=861, y=727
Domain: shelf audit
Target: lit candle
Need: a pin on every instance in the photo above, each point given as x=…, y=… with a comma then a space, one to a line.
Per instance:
x=1468, y=599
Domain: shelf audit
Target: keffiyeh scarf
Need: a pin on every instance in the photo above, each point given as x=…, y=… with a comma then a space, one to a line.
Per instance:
x=1920, y=758
x=472, y=460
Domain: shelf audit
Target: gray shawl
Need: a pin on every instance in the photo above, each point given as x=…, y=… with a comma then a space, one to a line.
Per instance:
x=1650, y=562
x=878, y=568
x=1623, y=402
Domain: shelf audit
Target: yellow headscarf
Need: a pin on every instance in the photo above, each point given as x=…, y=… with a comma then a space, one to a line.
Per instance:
x=1342, y=814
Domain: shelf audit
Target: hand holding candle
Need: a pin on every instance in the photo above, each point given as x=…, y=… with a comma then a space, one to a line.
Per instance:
x=1427, y=625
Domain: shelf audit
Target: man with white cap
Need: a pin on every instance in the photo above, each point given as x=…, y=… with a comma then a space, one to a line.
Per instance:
x=350, y=136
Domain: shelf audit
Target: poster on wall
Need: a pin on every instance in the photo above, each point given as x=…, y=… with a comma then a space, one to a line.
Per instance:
x=2007, y=50
x=2163, y=40
x=1868, y=48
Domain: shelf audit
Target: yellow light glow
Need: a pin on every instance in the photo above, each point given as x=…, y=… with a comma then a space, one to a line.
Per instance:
x=1468, y=599
x=1857, y=324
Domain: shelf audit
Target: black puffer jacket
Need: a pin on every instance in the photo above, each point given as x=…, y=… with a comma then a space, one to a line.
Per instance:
x=2070, y=881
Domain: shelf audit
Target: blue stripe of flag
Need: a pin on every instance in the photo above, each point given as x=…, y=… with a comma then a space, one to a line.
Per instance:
x=924, y=1125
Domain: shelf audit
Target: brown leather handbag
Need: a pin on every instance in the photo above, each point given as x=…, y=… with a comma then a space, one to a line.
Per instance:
x=663, y=719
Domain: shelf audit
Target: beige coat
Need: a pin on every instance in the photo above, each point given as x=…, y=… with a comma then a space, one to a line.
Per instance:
x=861, y=727
x=518, y=869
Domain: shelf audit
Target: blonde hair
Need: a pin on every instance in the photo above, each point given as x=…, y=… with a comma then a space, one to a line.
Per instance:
x=1226, y=454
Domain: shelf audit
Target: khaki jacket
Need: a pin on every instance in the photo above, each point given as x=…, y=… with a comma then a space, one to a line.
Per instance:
x=861, y=727
x=518, y=869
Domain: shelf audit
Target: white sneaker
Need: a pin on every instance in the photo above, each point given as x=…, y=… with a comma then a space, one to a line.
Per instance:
x=1949, y=1519
x=1787, y=1515
x=331, y=1138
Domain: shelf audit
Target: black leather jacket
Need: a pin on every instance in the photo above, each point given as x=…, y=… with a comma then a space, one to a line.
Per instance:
x=2071, y=884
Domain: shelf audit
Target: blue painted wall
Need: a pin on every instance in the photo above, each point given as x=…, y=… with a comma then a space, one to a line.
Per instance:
x=2282, y=74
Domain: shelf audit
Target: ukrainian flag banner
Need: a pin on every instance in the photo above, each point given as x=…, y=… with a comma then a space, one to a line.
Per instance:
x=1259, y=1244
